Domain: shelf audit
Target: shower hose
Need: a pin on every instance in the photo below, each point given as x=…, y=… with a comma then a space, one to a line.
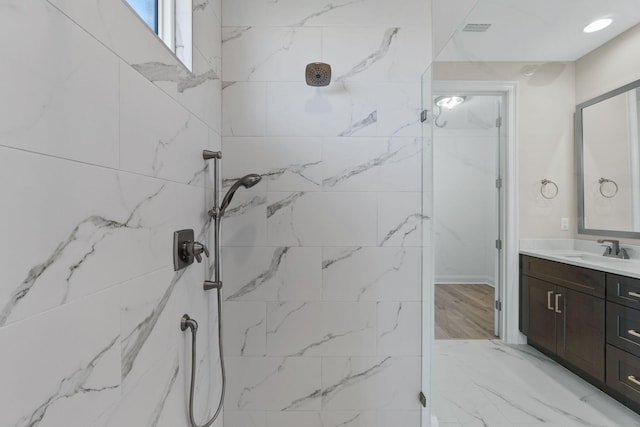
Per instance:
x=185, y=323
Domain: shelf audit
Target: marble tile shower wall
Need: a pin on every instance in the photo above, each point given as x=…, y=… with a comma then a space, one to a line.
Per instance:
x=321, y=260
x=101, y=132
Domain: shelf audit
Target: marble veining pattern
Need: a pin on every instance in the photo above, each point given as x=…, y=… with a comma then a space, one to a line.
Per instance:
x=90, y=231
x=382, y=51
x=75, y=383
x=323, y=276
x=102, y=147
x=530, y=390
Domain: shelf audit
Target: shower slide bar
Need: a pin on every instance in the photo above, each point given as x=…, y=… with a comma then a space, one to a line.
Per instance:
x=214, y=213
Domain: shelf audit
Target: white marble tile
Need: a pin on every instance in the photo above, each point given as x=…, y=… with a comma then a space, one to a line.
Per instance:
x=371, y=164
x=371, y=274
x=375, y=54
x=530, y=390
x=349, y=219
x=47, y=384
x=147, y=322
x=272, y=273
x=267, y=383
x=285, y=164
x=383, y=383
x=196, y=90
x=245, y=325
x=269, y=53
x=245, y=109
x=118, y=27
x=298, y=13
x=169, y=148
x=149, y=400
x=65, y=108
x=315, y=13
x=353, y=164
x=321, y=329
x=399, y=328
x=245, y=418
x=399, y=107
x=207, y=30
x=295, y=219
x=400, y=219
x=245, y=220
x=403, y=13
x=108, y=227
x=321, y=419
x=342, y=109
x=399, y=418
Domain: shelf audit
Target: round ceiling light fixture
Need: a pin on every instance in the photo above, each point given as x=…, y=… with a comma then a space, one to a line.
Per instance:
x=449, y=101
x=597, y=25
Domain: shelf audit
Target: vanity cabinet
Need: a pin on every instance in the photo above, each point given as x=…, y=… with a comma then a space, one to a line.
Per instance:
x=588, y=320
x=565, y=313
x=623, y=337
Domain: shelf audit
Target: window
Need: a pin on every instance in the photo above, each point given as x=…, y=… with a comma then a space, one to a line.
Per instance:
x=171, y=20
x=148, y=11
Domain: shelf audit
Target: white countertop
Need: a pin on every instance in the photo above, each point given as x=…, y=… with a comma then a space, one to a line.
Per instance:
x=623, y=267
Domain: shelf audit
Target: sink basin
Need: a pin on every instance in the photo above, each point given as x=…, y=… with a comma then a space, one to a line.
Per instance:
x=596, y=259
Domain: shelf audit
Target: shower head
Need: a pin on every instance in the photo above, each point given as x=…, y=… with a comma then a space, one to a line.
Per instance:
x=246, y=181
x=318, y=74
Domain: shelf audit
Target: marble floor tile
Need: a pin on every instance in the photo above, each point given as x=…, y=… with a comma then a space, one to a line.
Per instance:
x=491, y=384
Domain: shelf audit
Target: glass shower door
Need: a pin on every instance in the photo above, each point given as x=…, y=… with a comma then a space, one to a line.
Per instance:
x=427, y=248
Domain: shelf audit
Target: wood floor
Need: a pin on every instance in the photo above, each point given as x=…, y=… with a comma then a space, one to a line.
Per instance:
x=464, y=311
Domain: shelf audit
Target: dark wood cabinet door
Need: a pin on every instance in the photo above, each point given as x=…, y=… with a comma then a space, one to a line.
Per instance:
x=580, y=331
x=542, y=320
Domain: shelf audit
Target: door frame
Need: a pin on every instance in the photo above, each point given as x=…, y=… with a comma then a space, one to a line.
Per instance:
x=509, y=269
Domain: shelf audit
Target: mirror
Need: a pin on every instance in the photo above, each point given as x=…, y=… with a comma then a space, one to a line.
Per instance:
x=608, y=160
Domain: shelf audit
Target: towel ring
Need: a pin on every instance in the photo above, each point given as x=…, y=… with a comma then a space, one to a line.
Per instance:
x=602, y=182
x=546, y=182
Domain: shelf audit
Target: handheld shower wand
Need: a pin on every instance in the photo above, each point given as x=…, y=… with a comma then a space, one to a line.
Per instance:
x=246, y=181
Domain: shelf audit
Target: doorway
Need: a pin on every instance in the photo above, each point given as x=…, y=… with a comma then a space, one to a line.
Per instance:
x=468, y=136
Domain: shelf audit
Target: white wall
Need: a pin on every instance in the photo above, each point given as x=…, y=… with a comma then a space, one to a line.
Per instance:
x=608, y=67
x=544, y=122
x=465, y=205
x=612, y=65
x=98, y=167
x=322, y=259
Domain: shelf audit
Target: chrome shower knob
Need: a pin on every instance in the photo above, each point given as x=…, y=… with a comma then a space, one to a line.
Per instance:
x=195, y=249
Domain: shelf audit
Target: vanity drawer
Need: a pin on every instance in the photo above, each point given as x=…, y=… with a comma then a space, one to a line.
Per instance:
x=623, y=290
x=577, y=278
x=623, y=373
x=623, y=327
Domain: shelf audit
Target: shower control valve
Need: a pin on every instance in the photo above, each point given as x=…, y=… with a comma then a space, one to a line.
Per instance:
x=195, y=249
x=186, y=249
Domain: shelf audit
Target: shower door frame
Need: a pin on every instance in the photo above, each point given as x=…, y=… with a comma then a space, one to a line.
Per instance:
x=509, y=228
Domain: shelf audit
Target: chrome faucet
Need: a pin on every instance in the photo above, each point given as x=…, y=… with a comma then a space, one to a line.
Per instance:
x=614, y=250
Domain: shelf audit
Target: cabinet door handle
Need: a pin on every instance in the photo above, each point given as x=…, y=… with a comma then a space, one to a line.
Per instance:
x=549, y=300
x=633, y=294
x=633, y=379
x=558, y=303
x=633, y=333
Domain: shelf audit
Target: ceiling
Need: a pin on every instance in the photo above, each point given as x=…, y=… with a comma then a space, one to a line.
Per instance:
x=538, y=30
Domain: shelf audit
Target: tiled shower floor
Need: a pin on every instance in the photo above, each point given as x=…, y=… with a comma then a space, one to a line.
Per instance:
x=487, y=383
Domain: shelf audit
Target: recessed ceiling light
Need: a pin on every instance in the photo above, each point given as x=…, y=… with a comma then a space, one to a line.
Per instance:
x=597, y=25
x=449, y=101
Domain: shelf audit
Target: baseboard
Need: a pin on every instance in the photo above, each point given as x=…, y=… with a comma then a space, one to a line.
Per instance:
x=464, y=280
